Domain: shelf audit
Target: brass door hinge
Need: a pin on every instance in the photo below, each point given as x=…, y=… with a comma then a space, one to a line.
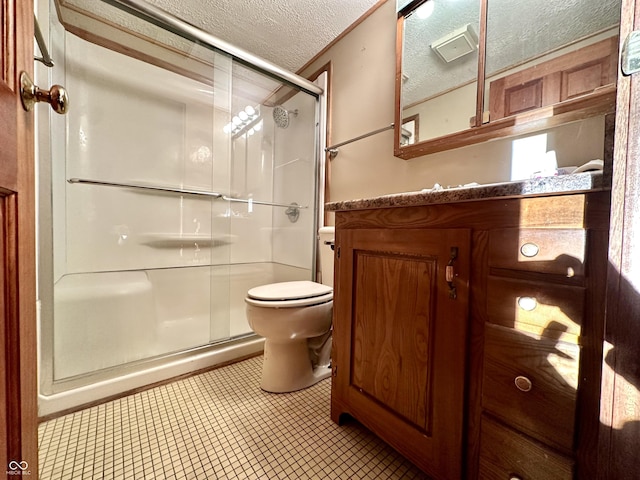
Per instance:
x=450, y=273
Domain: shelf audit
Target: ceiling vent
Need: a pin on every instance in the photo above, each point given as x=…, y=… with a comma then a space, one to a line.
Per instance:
x=456, y=44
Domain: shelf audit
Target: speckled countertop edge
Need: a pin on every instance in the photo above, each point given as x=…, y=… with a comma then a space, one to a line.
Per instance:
x=574, y=183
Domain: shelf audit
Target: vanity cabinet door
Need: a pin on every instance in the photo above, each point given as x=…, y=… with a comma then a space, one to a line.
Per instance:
x=399, y=337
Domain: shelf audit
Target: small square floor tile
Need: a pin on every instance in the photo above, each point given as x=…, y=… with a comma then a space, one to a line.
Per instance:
x=215, y=425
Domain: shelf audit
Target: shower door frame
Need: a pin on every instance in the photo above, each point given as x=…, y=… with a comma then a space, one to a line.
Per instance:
x=48, y=384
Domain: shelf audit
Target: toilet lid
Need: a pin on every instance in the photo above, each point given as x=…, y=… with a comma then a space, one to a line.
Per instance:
x=296, y=303
x=283, y=291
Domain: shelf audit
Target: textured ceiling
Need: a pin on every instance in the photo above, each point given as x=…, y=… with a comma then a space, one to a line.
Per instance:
x=291, y=32
x=288, y=33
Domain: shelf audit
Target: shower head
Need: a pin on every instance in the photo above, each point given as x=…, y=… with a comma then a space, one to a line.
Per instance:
x=281, y=116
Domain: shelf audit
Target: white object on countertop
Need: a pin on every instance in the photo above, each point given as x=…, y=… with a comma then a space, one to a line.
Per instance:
x=437, y=187
x=591, y=165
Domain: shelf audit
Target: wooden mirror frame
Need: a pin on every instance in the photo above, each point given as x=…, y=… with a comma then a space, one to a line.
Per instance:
x=601, y=101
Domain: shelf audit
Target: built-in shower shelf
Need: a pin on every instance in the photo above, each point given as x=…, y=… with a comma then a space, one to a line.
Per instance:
x=173, y=240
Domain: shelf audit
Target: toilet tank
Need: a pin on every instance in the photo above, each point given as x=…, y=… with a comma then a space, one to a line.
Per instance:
x=325, y=252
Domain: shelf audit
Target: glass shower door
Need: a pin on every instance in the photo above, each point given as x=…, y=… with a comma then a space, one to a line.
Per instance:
x=180, y=178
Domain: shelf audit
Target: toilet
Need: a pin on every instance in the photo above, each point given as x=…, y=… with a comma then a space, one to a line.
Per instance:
x=295, y=320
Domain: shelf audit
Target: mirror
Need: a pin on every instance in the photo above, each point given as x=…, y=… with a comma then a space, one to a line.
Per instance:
x=469, y=71
x=440, y=67
x=540, y=53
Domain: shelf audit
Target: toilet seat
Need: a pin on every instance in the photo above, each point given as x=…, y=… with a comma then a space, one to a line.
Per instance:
x=289, y=294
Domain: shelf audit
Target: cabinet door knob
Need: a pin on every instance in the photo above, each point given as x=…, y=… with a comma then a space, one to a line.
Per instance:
x=527, y=303
x=529, y=249
x=515, y=477
x=523, y=383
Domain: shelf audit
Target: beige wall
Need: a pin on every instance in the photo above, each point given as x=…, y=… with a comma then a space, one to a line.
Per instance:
x=362, y=91
x=448, y=113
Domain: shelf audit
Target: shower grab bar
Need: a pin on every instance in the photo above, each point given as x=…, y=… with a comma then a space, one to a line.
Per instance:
x=46, y=58
x=333, y=149
x=181, y=191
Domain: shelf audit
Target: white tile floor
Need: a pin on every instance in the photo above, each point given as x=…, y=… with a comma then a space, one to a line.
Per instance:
x=216, y=425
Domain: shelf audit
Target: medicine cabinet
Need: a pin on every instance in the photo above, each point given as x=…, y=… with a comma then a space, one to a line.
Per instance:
x=469, y=71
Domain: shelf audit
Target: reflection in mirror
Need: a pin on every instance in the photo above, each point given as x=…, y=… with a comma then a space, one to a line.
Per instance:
x=439, y=68
x=470, y=71
x=409, y=132
x=542, y=53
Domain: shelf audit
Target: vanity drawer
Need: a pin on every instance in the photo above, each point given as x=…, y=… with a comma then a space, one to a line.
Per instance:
x=553, y=311
x=506, y=454
x=530, y=383
x=544, y=250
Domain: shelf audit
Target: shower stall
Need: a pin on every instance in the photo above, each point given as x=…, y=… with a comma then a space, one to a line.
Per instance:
x=185, y=172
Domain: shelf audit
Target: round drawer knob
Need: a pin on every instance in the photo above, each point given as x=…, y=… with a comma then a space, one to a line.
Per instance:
x=529, y=250
x=527, y=303
x=523, y=383
x=515, y=477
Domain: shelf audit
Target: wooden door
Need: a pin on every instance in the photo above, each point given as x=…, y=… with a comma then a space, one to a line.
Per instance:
x=18, y=387
x=620, y=396
x=400, y=340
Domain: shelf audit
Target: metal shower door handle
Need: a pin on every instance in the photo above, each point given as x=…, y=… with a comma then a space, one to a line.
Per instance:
x=30, y=94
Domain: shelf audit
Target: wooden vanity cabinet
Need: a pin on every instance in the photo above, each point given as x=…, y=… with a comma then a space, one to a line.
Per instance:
x=497, y=380
x=542, y=305
x=400, y=337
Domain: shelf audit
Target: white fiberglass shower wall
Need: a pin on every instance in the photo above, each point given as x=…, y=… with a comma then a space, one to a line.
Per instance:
x=166, y=193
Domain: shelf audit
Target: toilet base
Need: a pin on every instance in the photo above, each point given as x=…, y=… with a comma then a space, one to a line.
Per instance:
x=287, y=367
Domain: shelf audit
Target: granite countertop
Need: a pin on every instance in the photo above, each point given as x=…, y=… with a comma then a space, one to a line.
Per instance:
x=573, y=183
